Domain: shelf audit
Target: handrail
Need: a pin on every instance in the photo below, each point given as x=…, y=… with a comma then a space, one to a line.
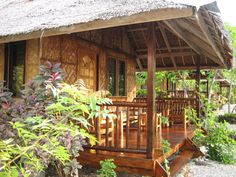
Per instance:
x=115, y=134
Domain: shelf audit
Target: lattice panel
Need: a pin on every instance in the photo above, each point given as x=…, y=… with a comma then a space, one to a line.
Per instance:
x=131, y=85
x=52, y=48
x=69, y=50
x=87, y=68
x=70, y=73
x=102, y=71
x=32, y=60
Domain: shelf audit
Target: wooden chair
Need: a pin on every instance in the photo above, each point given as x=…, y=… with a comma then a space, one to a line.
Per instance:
x=177, y=112
x=103, y=129
x=158, y=123
x=143, y=118
x=163, y=107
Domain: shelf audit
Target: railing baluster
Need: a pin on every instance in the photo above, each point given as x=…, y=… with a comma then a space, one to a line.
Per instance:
x=97, y=130
x=139, y=129
x=107, y=131
x=127, y=128
x=117, y=126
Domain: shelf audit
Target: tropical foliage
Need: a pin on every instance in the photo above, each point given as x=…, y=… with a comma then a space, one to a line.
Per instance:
x=48, y=127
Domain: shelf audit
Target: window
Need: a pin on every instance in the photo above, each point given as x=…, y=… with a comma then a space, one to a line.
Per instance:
x=117, y=77
x=122, y=78
x=15, y=66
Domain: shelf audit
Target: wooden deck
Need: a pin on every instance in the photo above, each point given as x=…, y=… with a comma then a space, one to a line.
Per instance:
x=131, y=162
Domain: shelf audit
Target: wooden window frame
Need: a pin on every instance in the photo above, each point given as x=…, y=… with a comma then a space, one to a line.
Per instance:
x=8, y=64
x=117, y=60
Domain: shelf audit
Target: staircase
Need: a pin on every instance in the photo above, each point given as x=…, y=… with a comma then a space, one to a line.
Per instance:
x=181, y=155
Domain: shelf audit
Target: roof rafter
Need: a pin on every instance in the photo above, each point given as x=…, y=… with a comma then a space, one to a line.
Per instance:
x=186, y=36
x=205, y=30
x=187, y=25
x=169, y=54
x=163, y=33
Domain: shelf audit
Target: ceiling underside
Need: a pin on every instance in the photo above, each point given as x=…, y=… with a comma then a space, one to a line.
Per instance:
x=183, y=43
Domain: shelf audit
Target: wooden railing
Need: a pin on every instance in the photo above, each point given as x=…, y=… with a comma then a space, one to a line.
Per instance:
x=173, y=108
x=127, y=132
x=167, y=101
x=182, y=94
x=122, y=133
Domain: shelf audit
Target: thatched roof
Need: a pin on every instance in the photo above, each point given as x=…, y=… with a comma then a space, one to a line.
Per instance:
x=196, y=27
x=25, y=16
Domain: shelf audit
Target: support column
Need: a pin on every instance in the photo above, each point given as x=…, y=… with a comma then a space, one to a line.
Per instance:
x=220, y=89
x=198, y=79
x=207, y=88
x=151, y=95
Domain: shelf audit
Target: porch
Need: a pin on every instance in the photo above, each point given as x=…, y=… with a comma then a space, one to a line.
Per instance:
x=125, y=137
x=135, y=161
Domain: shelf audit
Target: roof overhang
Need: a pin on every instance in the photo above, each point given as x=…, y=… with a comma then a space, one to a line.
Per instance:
x=151, y=16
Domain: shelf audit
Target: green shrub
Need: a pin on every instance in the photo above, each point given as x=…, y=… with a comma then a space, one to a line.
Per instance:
x=108, y=168
x=48, y=127
x=141, y=93
x=199, y=138
x=219, y=139
x=230, y=118
x=221, y=147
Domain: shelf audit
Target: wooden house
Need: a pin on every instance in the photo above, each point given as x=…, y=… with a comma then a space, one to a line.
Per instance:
x=105, y=43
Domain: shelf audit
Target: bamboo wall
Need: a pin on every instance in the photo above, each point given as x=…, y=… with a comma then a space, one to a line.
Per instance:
x=32, y=61
x=131, y=84
x=81, y=53
x=1, y=62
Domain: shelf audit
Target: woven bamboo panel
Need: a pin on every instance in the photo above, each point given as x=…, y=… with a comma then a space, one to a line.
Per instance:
x=70, y=71
x=102, y=71
x=131, y=85
x=1, y=61
x=96, y=36
x=32, y=60
x=115, y=38
x=78, y=57
x=69, y=50
x=51, y=48
x=87, y=68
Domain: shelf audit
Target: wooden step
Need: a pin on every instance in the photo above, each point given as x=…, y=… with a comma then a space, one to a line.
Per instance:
x=183, y=158
x=174, y=149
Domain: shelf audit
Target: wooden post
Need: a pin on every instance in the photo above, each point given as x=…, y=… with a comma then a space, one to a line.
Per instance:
x=220, y=89
x=151, y=95
x=207, y=88
x=198, y=79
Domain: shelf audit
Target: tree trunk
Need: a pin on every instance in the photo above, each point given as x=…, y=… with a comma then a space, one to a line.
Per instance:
x=229, y=93
x=211, y=87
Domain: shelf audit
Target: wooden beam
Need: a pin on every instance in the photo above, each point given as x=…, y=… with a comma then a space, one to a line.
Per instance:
x=192, y=41
x=151, y=108
x=169, y=54
x=139, y=64
x=188, y=26
x=193, y=60
x=198, y=81
x=186, y=67
x=179, y=32
x=181, y=51
x=151, y=16
x=136, y=29
x=209, y=37
x=164, y=48
x=163, y=33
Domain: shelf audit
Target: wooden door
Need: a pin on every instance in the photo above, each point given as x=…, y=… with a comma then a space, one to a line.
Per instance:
x=87, y=69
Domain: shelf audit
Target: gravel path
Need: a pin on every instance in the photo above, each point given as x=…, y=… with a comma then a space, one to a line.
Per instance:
x=232, y=126
x=207, y=168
